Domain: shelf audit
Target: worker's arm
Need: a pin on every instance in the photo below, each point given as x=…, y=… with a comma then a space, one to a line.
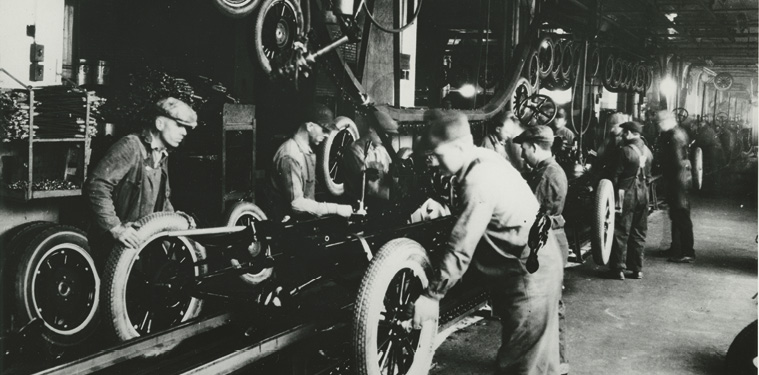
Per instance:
x=291, y=179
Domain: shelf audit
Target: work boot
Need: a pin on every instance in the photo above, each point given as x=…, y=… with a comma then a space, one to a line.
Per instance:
x=680, y=260
x=615, y=275
x=637, y=275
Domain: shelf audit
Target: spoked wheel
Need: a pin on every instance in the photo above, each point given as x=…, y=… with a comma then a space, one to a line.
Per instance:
x=602, y=234
x=567, y=60
x=279, y=25
x=594, y=61
x=521, y=92
x=236, y=8
x=143, y=286
x=335, y=146
x=608, y=77
x=681, y=114
x=244, y=214
x=533, y=71
x=57, y=282
x=384, y=342
x=537, y=108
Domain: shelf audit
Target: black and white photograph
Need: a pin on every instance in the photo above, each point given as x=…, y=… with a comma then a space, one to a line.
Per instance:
x=379, y=187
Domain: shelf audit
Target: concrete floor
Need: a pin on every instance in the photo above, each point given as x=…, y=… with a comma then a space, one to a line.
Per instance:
x=680, y=319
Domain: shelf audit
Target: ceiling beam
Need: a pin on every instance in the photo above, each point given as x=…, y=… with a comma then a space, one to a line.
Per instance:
x=682, y=11
x=720, y=52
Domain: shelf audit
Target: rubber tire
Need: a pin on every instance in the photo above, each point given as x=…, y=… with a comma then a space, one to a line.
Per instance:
x=13, y=241
x=739, y=359
x=342, y=123
x=32, y=257
x=231, y=218
x=602, y=237
x=244, y=8
x=259, y=26
x=514, y=101
x=394, y=256
x=119, y=264
x=698, y=168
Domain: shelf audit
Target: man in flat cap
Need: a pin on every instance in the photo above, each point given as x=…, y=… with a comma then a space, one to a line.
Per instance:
x=673, y=143
x=369, y=154
x=549, y=184
x=132, y=179
x=497, y=211
x=633, y=169
x=293, y=181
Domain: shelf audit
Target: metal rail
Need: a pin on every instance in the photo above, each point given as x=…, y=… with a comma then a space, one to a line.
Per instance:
x=136, y=348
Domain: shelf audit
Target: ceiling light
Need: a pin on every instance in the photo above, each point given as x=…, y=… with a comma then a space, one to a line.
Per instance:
x=467, y=90
x=671, y=16
x=668, y=87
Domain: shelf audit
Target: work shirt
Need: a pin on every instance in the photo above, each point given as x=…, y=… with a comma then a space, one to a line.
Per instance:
x=131, y=181
x=629, y=164
x=549, y=183
x=673, y=145
x=365, y=154
x=498, y=210
x=293, y=182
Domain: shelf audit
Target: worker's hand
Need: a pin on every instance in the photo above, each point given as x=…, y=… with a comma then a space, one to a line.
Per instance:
x=345, y=210
x=126, y=234
x=425, y=309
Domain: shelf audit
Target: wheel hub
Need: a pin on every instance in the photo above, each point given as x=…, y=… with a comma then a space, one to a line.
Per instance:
x=282, y=33
x=64, y=289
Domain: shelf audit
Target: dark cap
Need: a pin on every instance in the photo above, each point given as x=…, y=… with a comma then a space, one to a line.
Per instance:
x=382, y=121
x=632, y=126
x=319, y=114
x=444, y=127
x=178, y=111
x=535, y=134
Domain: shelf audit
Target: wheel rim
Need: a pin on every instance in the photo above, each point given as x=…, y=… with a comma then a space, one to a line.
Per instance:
x=65, y=289
x=545, y=55
x=342, y=140
x=521, y=93
x=533, y=71
x=236, y=3
x=279, y=30
x=246, y=219
x=608, y=226
x=396, y=341
x=153, y=301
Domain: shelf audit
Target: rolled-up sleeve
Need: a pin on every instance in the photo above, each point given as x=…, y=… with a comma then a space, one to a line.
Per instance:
x=453, y=260
x=290, y=176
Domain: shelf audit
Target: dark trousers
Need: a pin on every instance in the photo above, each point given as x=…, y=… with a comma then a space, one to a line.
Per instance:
x=630, y=229
x=682, y=233
x=528, y=307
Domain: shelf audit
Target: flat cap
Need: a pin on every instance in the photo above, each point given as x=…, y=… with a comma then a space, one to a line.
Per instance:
x=178, y=111
x=319, y=114
x=383, y=121
x=445, y=126
x=632, y=126
x=535, y=134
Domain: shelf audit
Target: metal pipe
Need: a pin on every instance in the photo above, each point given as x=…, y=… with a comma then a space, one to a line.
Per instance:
x=703, y=99
x=714, y=107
